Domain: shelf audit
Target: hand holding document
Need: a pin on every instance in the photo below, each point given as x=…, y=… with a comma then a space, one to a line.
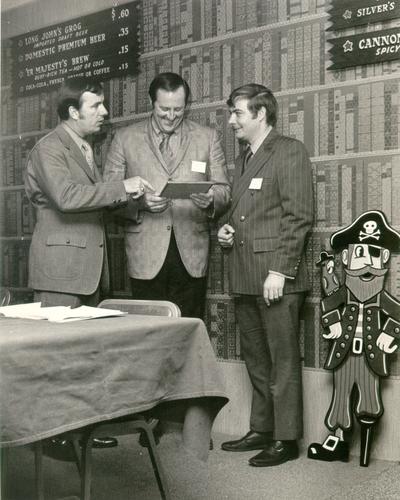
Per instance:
x=58, y=314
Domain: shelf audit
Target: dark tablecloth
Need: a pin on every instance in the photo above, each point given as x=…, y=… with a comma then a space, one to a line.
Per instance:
x=59, y=377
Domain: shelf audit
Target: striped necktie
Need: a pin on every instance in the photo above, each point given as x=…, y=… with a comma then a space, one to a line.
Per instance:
x=88, y=154
x=165, y=148
x=247, y=156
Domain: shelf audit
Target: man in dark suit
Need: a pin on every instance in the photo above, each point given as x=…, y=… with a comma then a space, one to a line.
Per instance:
x=67, y=257
x=167, y=241
x=270, y=215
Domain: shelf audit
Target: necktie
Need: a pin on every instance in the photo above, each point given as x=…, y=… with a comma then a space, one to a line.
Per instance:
x=88, y=154
x=165, y=148
x=246, y=159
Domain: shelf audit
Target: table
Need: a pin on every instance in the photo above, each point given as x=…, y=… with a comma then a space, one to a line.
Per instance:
x=59, y=377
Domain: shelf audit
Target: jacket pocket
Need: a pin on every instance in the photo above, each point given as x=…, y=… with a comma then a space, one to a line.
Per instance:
x=65, y=256
x=265, y=244
x=60, y=239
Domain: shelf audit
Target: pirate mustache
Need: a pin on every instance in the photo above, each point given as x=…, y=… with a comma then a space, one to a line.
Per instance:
x=366, y=270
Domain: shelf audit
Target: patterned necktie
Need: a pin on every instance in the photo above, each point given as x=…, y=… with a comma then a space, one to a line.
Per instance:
x=88, y=154
x=247, y=156
x=165, y=148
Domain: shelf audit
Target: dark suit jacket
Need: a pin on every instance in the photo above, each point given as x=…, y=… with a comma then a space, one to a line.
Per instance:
x=271, y=223
x=147, y=238
x=67, y=249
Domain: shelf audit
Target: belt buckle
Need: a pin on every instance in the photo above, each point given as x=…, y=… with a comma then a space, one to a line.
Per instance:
x=357, y=345
x=330, y=443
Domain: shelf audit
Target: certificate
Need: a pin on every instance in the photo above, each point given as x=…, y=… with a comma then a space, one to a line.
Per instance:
x=185, y=189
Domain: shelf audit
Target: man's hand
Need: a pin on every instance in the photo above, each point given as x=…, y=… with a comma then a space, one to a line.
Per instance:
x=226, y=236
x=203, y=200
x=136, y=186
x=335, y=331
x=154, y=203
x=384, y=342
x=273, y=288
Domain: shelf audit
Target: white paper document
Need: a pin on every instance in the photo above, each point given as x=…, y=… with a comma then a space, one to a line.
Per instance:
x=58, y=314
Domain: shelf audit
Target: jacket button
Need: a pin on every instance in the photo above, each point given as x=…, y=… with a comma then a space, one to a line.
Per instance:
x=241, y=243
x=369, y=337
x=369, y=319
x=326, y=320
x=338, y=354
x=349, y=328
x=372, y=355
x=342, y=345
x=101, y=245
x=369, y=347
x=352, y=308
x=368, y=328
x=351, y=318
x=369, y=311
x=346, y=337
x=68, y=242
x=397, y=329
x=242, y=218
x=168, y=228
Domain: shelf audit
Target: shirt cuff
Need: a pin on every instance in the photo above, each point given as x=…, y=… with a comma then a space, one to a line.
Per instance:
x=281, y=275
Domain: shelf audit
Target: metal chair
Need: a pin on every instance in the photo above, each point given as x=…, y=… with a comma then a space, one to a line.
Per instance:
x=133, y=423
x=5, y=296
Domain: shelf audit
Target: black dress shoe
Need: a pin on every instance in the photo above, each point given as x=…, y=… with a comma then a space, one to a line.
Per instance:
x=251, y=441
x=332, y=449
x=278, y=452
x=104, y=442
x=59, y=449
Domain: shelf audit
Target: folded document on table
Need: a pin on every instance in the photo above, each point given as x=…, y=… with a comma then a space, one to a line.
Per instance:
x=58, y=314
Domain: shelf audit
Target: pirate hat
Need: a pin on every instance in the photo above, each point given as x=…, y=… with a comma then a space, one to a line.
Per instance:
x=370, y=228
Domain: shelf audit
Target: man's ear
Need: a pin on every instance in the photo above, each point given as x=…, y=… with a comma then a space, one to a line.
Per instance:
x=345, y=256
x=262, y=113
x=73, y=112
x=385, y=255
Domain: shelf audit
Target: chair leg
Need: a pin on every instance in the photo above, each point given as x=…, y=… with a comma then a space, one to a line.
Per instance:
x=77, y=452
x=156, y=463
x=39, y=470
x=86, y=466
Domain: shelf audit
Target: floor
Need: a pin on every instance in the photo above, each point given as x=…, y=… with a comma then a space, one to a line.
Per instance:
x=125, y=473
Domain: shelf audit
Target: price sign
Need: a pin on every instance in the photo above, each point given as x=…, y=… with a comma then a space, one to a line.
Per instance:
x=103, y=45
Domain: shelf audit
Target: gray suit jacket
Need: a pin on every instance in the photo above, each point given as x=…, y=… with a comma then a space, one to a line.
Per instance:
x=147, y=238
x=271, y=223
x=67, y=249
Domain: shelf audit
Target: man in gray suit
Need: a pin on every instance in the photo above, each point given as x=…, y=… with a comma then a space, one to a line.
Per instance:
x=167, y=241
x=67, y=257
x=270, y=215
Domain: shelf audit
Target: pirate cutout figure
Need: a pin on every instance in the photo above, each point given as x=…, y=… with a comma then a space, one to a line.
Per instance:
x=363, y=322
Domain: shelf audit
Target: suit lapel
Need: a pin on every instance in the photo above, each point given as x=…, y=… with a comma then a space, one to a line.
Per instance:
x=75, y=152
x=256, y=163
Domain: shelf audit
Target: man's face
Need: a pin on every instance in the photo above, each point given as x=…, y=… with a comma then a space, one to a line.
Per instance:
x=245, y=125
x=169, y=108
x=365, y=272
x=91, y=113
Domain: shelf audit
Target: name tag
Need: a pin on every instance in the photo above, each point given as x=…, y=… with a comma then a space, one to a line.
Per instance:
x=199, y=166
x=256, y=183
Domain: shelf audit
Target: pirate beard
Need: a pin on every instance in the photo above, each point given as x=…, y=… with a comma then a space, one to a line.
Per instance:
x=364, y=290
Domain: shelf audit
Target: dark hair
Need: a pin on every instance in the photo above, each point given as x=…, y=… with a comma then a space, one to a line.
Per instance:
x=257, y=96
x=169, y=82
x=71, y=91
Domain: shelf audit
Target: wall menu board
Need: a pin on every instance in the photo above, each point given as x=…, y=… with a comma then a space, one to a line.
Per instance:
x=103, y=45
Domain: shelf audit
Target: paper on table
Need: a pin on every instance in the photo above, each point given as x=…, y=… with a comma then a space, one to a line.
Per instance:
x=58, y=314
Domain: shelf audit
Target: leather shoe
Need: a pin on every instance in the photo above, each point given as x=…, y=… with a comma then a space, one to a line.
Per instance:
x=278, y=452
x=332, y=449
x=104, y=442
x=251, y=441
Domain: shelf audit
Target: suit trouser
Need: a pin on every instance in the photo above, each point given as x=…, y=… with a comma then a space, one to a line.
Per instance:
x=174, y=283
x=353, y=372
x=50, y=299
x=270, y=347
